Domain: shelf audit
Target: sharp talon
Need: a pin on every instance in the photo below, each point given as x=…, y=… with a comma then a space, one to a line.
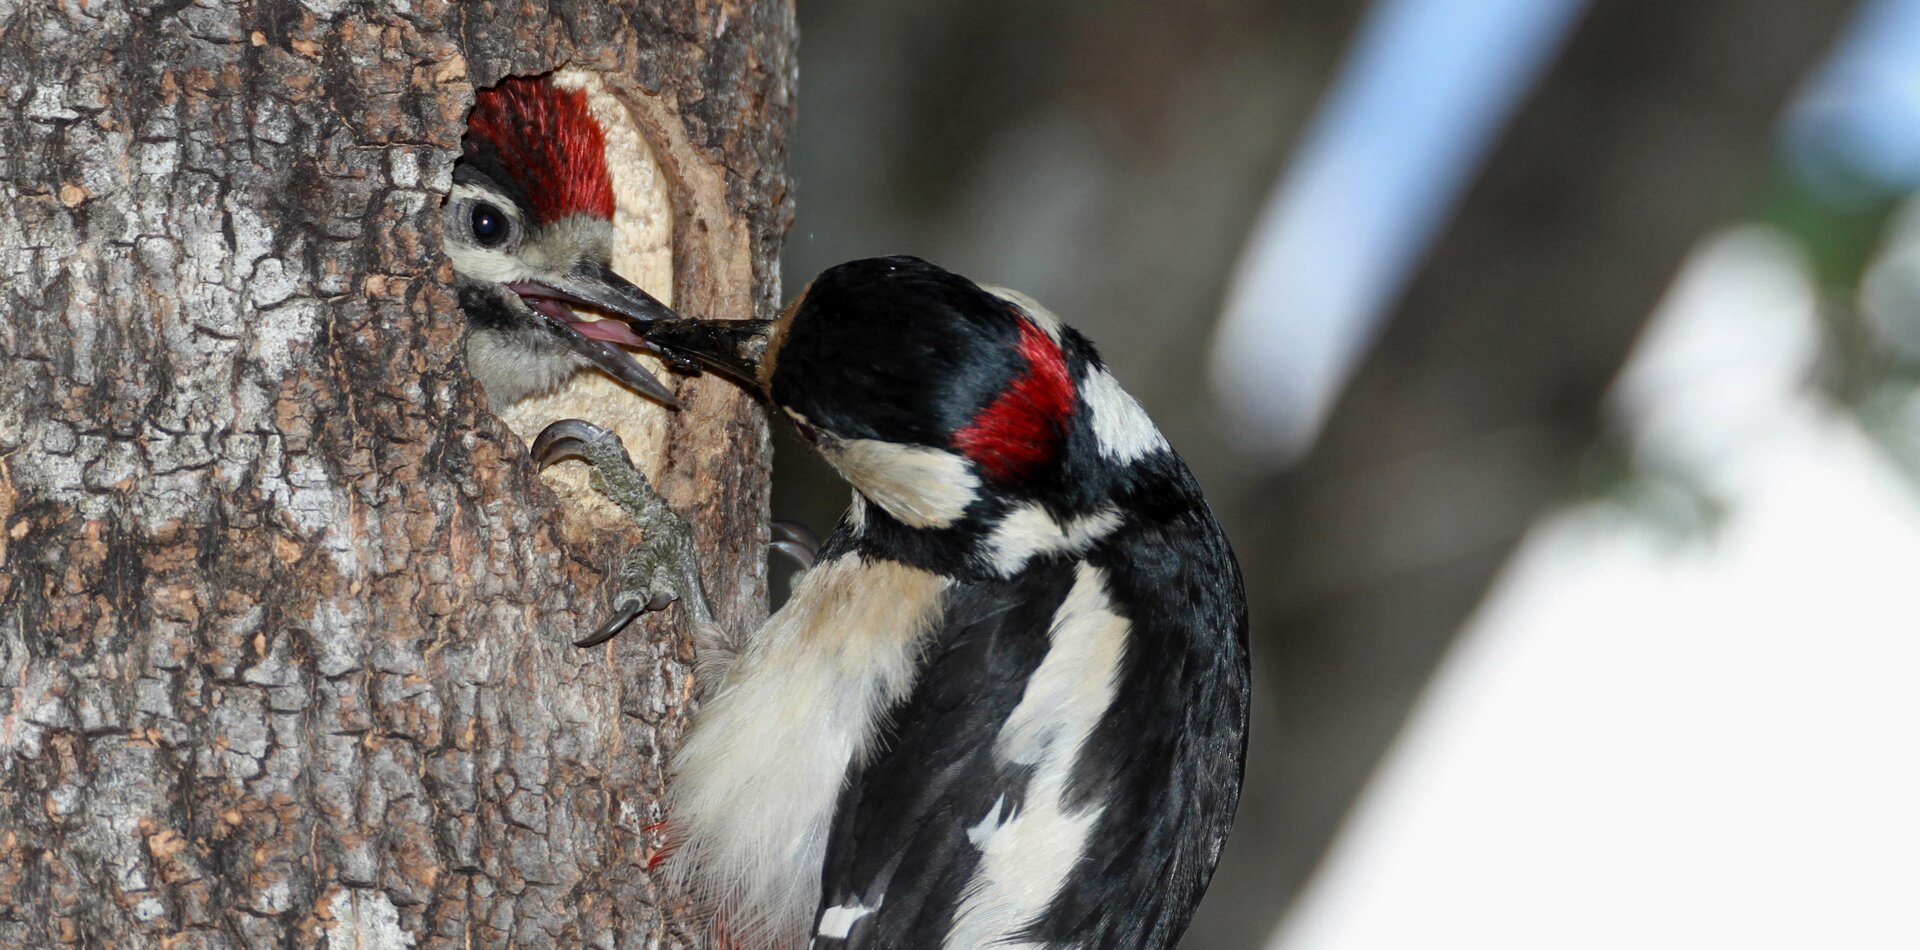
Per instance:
x=621, y=617
x=796, y=531
x=799, y=554
x=568, y=438
x=660, y=571
x=797, y=542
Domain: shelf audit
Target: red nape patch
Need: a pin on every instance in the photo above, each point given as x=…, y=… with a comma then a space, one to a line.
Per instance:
x=548, y=140
x=1023, y=428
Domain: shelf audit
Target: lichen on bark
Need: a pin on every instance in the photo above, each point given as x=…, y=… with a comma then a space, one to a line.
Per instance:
x=284, y=612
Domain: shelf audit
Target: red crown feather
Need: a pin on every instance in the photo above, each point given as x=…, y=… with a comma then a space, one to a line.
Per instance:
x=548, y=140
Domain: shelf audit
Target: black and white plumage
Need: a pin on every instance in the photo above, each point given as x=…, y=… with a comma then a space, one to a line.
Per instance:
x=1008, y=706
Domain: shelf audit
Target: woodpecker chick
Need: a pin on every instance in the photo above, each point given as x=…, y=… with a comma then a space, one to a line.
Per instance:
x=1008, y=705
x=529, y=229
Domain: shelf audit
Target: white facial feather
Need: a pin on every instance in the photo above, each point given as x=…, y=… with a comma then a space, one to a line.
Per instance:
x=922, y=487
x=492, y=264
x=1025, y=857
x=757, y=779
x=533, y=253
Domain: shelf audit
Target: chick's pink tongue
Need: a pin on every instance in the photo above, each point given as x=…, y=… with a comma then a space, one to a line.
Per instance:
x=612, y=331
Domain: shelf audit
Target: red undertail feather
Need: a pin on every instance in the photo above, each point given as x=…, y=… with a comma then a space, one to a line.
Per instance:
x=547, y=138
x=1023, y=428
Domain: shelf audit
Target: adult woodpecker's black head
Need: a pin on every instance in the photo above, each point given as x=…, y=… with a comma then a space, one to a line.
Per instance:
x=529, y=228
x=947, y=404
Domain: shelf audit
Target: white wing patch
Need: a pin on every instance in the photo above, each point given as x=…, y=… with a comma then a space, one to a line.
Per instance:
x=1029, y=530
x=757, y=779
x=837, y=922
x=1125, y=433
x=1026, y=857
x=996, y=816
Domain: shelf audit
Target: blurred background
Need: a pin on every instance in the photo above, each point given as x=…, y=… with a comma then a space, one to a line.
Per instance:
x=1554, y=366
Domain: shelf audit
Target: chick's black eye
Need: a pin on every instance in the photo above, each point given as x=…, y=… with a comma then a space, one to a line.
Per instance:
x=489, y=225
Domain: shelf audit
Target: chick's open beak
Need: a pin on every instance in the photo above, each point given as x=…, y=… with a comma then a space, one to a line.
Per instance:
x=595, y=286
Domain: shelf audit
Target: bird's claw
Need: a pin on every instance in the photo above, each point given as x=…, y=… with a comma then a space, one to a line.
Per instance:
x=797, y=542
x=580, y=439
x=664, y=568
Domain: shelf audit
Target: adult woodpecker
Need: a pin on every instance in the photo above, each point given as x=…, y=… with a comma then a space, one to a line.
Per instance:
x=529, y=229
x=1008, y=705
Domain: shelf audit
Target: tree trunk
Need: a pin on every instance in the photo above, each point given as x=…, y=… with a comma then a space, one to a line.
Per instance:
x=1473, y=412
x=284, y=611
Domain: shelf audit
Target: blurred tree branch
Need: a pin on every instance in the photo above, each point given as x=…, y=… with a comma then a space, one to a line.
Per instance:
x=1474, y=410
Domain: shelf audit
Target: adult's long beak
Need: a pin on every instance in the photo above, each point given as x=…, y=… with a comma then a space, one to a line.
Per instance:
x=596, y=286
x=731, y=347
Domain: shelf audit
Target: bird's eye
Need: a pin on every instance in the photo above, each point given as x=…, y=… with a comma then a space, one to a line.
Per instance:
x=490, y=225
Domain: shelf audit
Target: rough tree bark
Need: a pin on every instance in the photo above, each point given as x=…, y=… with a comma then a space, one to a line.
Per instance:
x=1474, y=410
x=284, y=612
